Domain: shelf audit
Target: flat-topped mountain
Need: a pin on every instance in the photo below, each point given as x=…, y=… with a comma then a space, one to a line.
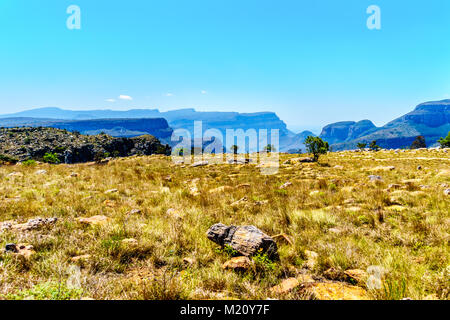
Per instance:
x=121, y=123
x=346, y=130
x=430, y=119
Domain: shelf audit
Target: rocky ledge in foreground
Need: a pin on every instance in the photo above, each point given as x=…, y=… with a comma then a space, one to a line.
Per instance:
x=19, y=144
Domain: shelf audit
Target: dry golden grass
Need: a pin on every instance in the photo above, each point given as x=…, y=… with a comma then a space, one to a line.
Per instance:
x=331, y=208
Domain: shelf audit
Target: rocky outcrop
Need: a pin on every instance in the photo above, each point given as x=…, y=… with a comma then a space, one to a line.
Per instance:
x=69, y=147
x=247, y=240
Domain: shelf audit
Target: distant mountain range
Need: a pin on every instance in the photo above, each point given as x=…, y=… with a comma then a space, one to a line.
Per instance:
x=430, y=119
x=124, y=124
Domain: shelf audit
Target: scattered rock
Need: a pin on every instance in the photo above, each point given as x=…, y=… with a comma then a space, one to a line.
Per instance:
x=338, y=167
x=130, y=242
x=358, y=275
x=15, y=174
x=239, y=202
x=94, y=220
x=419, y=167
x=238, y=264
x=74, y=175
x=338, y=291
x=111, y=191
x=447, y=192
x=287, y=184
x=285, y=286
x=375, y=178
x=40, y=172
x=243, y=186
x=110, y=203
x=247, y=240
x=32, y=224
x=200, y=164
x=334, y=274
x=134, y=212
x=24, y=250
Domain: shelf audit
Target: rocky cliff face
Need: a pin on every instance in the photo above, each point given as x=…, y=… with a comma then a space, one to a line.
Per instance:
x=430, y=120
x=346, y=130
x=33, y=143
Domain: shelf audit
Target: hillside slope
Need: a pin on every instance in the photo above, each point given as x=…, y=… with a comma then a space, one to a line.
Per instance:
x=33, y=143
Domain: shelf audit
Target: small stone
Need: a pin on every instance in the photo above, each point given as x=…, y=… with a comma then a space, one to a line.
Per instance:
x=40, y=172
x=200, y=164
x=243, y=186
x=334, y=274
x=111, y=191
x=447, y=192
x=94, y=220
x=130, y=242
x=419, y=167
x=375, y=178
x=338, y=291
x=238, y=264
x=285, y=286
x=357, y=274
x=240, y=202
x=134, y=212
x=287, y=184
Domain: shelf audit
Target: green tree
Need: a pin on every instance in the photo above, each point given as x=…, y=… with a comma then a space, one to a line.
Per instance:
x=445, y=142
x=373, y=146
x=316, y=146
x=269, y=148
x=361, y=145
x=418, y=143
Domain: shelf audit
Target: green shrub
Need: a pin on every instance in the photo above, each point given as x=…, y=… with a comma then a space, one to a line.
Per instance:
x=29, y=162
x=47, y=291
x=51, y=158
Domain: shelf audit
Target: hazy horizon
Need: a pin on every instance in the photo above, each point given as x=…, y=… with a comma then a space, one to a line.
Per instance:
x=310, y=63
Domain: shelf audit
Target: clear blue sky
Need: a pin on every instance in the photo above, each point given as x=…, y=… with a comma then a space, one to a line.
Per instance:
x=311, y=62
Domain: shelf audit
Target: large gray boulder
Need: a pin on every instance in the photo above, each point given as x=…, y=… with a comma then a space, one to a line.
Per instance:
x=247, y=240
